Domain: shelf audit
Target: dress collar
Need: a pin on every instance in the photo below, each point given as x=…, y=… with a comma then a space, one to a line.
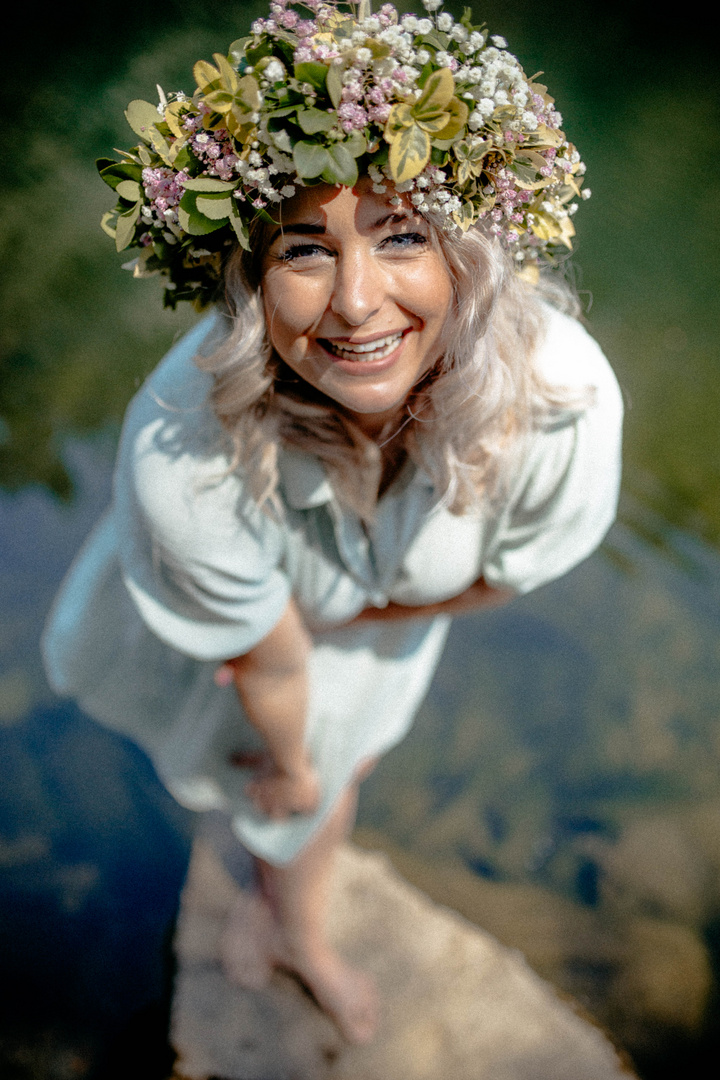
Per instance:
x=304, y=480
x=306, y=483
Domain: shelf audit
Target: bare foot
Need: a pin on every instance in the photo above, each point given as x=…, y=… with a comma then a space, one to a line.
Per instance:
x=344, y=993
x=252, y=944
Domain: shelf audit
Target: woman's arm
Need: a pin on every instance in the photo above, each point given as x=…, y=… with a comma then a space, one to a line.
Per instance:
x=476, y=596
x=271, y=681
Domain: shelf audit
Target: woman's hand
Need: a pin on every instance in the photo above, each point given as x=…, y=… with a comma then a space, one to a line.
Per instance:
x=279, y=793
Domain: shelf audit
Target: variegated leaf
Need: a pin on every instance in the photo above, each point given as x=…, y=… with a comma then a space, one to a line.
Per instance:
x=409, y=153
x=436, y=94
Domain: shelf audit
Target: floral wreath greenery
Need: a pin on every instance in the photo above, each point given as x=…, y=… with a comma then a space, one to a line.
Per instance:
x=316, y=94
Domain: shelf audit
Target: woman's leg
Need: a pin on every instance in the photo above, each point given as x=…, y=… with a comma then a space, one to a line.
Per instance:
x=287, y=927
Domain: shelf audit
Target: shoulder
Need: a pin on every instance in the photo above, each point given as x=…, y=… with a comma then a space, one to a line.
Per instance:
x=568, y=355
x=176, y=393
x=173, y=474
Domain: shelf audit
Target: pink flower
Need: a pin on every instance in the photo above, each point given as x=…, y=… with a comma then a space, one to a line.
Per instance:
x=380, y=113
x=353, y=117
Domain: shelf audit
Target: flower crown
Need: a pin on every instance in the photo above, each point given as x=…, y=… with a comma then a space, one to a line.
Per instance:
x=431, y=105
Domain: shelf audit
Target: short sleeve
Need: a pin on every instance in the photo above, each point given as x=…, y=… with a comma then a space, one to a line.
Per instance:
x=564, y=498
x=200, y=560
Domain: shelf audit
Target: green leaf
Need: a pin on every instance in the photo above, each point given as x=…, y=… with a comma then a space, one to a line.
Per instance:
x=142, y=117
x=129, y=190
x=207, y=183
x=256, y=54
x=216, y=207
x=125, y=227
x=356, y=143
x=248, y=93
x=409, y=153
x=310, y=159
x=312, y=72
x=183, y=159
x=236, y=52
x=239, y=227
x=343, y=168
x=314, y=120
x=114, y=172
x=334, y=84
x=192, y=220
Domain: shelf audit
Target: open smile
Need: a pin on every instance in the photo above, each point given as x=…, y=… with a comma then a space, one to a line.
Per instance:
x=379, y=348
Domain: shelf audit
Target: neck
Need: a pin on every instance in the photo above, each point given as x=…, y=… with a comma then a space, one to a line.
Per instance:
x=382, y=427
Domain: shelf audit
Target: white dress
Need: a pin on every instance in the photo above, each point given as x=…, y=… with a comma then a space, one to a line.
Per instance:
x=185, y=571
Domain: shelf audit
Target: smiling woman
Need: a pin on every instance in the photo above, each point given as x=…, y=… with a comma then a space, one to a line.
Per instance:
x=382, y=425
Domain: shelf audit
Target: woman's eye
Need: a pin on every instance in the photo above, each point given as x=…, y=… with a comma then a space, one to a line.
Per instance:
x=302, y=251
x=405, y=240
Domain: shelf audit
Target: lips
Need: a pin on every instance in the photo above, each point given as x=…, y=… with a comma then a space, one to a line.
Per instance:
x=367, y=351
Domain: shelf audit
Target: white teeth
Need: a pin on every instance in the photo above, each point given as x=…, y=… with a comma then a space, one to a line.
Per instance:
x=371, y=350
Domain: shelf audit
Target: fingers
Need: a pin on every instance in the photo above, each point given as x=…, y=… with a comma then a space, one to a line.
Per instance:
x=224, y=676
x=281, y=796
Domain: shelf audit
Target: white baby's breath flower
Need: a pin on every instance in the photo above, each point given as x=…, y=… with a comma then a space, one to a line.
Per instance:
x=274, y=71
x=444, y=59
x=499, y=41
x=476, y=42
x=445, y=21
x=431, y=5
x=424, y=26
x=585, y=193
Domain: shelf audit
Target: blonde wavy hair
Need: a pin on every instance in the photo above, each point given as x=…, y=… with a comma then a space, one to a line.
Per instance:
x=464, y=418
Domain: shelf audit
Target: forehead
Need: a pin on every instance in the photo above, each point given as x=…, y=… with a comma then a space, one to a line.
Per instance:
x=332, y=206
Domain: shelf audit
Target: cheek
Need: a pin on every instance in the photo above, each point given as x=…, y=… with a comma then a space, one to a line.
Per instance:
x=430, y=292
x=290, y=302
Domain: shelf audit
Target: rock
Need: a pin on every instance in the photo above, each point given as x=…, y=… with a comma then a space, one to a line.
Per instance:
x=456, y=1002
x=645, y=979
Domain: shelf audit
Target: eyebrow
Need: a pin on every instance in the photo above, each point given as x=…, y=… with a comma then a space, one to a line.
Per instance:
x=300, y=228
x=306, y=229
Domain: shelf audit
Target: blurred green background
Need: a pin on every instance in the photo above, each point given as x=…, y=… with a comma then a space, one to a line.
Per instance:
x=639, y=96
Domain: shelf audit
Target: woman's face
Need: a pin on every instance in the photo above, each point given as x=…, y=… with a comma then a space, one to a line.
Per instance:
x=356, y=297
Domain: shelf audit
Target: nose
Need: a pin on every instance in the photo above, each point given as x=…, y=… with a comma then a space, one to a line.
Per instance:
x=358, y=287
